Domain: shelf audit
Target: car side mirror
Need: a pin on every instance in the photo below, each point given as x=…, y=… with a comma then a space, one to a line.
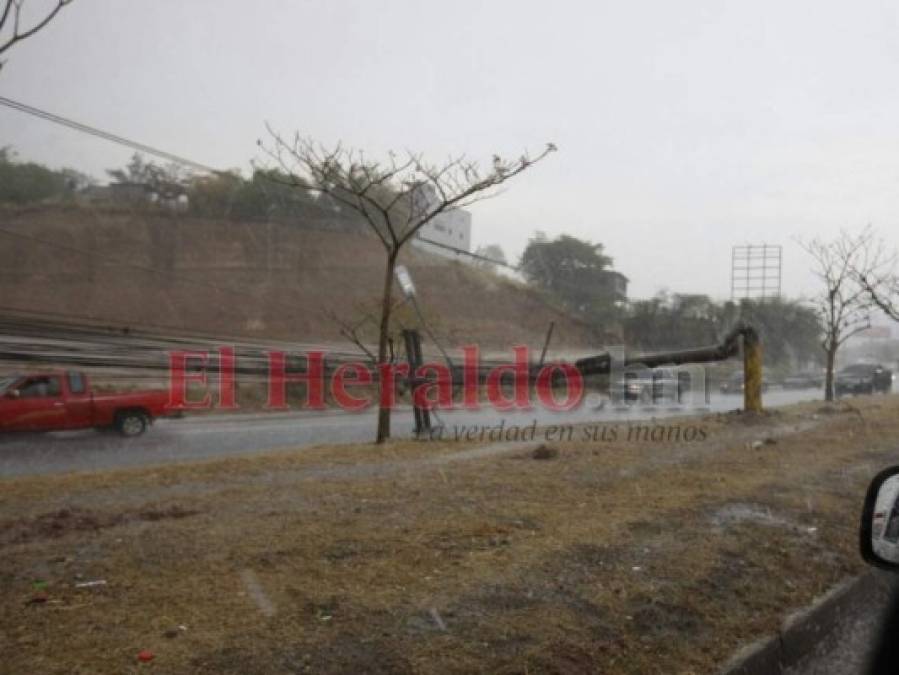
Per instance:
x=879, y=530
x=14, y=393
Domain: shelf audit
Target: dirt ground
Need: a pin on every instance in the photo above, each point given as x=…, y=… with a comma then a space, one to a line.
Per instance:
x=253, y=279
x=660, y=553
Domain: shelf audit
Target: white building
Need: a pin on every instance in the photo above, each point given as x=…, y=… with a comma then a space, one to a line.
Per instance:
x=449, y=229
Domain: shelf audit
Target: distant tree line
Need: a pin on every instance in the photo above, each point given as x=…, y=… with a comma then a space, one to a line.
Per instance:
x=579, y=275
x=28, y=182
x=790, y=330
x=266, y=195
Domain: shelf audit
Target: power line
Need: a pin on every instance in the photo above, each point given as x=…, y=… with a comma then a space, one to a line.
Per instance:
x=99, y=133
x=462, y=251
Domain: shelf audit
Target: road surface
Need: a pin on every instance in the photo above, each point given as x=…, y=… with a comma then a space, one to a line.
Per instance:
x=208, y=437
x=849, y=648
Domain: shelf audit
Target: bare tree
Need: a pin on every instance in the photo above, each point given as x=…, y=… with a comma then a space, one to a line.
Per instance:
x=396, y=197
x=11, y=23
x=845, y=304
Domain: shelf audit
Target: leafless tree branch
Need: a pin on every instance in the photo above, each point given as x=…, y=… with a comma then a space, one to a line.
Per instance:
x=351, y=331
x=12, y=12
x=882, y=292
x=881, y=282
x=390, y=194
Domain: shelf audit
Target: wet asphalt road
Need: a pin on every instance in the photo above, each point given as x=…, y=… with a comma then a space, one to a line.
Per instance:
x=208, y=437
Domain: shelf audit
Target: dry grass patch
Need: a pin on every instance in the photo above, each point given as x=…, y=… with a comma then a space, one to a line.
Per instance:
x=604, y=556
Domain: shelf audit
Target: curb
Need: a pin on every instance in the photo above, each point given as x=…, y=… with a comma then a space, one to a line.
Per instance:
x=802, y=631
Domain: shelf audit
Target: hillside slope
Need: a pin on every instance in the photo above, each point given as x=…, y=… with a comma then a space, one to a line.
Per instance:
x=163, y=271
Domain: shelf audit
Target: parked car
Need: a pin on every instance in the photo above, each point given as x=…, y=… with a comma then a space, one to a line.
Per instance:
x=62, y=401
x=804, y=380
x=863, y=378
x=735, y=384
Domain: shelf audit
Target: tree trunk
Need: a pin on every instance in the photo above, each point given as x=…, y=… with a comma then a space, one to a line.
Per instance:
x=828, y=375
x=386, y=305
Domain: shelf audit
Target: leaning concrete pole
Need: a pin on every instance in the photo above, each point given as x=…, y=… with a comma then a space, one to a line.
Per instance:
x=752, y=370
x=730, y=347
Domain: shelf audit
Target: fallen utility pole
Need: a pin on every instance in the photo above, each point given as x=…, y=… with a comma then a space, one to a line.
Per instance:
x=601, y=364
x=31, y=340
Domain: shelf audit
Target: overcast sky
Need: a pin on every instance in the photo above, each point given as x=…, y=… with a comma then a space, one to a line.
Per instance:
x=683, y=127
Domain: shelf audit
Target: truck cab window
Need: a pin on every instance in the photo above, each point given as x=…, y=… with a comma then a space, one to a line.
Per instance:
x=40, y=387
x=76, y=383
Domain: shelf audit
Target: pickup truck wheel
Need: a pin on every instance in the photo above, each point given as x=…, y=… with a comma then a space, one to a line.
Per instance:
x=131, y=424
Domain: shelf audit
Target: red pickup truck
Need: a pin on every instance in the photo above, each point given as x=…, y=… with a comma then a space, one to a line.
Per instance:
x=61, y=401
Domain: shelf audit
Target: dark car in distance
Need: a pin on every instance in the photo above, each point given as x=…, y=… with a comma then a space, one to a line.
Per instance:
x=863, y=378
x=804, y=380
